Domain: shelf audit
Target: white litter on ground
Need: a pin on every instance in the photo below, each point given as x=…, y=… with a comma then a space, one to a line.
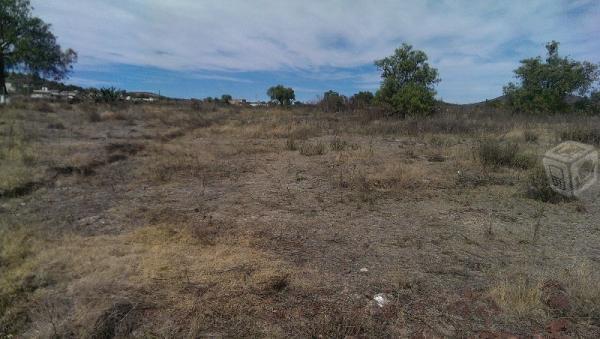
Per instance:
x=381, y=299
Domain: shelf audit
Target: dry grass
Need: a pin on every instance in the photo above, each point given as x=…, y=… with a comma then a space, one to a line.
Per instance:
x=195, y=281
x=519, y=296
x=313, y=148
x=184, y=220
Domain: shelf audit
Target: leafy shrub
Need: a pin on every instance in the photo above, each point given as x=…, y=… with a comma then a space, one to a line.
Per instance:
x=496, y=153
x=333, y=102
x=106, y=95
x=408, y=82
x=545, y=85
x=414, y=100
x=282, y=95
x=361, y=100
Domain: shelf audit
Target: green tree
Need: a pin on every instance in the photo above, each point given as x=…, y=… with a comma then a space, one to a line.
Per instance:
x=408, y=82
x=333, y=102
x=226, y=98
x=361, y=100
x=28, y=46
x=545, y=85
x=281, y=94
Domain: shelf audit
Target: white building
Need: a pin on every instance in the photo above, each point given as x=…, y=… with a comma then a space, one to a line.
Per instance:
x=45, y=93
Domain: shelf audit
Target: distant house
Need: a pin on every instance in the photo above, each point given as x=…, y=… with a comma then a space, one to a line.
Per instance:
x=142, y=96
x=258, y=103
x=238, y=102
x=45, y=93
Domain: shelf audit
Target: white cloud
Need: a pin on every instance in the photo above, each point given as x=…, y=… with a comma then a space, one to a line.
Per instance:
x=268, y=35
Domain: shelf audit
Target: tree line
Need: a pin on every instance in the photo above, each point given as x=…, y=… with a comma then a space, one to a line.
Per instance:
x=554, y=84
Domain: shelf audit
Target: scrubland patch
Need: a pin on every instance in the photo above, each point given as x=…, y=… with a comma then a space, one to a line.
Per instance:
x=162, y=270
x=181, y=220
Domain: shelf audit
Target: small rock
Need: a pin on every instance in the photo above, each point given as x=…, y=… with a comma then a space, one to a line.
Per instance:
x=364, y=270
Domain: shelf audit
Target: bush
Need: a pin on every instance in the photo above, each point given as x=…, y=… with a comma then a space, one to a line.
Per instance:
x=495, y=153
x=538, y=187
x=361, y=100
x=546, y=85
x=581, y=133
x=333, y=102
x=413, y=100
x=408, y=82
x=283, y=95
x=108, y=95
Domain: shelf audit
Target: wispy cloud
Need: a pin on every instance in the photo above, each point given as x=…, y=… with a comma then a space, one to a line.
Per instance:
x=474, y=43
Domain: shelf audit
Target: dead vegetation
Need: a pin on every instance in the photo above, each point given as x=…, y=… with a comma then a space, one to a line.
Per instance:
x=188, y=220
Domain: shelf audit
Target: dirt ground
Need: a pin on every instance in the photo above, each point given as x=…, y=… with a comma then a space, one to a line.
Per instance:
x=173, y=220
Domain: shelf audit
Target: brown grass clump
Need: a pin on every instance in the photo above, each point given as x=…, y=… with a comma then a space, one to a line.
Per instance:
x=181, y=272
x=194, y=222
x=313, y=148
x=495, y=153
x=520, y=296
x=111, y=115
x=538, y=186
x=588, y=134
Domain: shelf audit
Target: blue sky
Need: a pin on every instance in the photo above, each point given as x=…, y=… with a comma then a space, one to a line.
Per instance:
x=200, y=48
